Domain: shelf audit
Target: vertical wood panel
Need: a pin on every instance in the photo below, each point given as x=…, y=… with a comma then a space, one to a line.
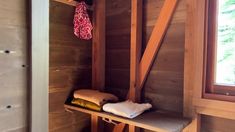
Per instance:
x=14, y=70
x=40, y=65
x=164, y=85
x=98, y=43
x=164, y=89
x=70, y=67
x=136, y=44
x=214, y=124
x=118, y=29
x=156, y=38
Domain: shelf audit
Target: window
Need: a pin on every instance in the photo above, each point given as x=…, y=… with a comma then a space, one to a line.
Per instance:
x=220, y=60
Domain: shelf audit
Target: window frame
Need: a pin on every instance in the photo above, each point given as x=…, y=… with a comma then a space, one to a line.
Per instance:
x=212, y=90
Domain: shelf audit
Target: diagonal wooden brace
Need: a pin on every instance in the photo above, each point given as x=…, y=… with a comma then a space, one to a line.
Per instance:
x=155, y=40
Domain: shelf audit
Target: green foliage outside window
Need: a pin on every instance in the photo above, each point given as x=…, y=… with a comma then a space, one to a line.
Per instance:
x=225, y=71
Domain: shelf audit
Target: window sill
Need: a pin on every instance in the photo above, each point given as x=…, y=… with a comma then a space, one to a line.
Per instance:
x=219, y=97
x=223, y=109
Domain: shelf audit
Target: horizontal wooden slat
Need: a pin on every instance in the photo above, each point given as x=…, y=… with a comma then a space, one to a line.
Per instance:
x=71, y=3
x=67, y=2
x=214, y=104
x=216, y=113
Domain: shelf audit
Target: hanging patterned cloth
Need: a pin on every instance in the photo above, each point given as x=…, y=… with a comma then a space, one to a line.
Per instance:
x=82, y=24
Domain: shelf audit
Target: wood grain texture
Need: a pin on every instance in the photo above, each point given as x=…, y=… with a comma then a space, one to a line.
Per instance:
x=118, y=28
x=119, y=127
x=159, y=121
x=98, y=45
x=156, y=38
x=164, y=85
x=168, y=65
x=98, y=55
x=39, y=65
x=70, y=67
x=215, y=124
x=14, y=30
x=71, y=3
x=194, y=82
x=193, y=79
x=188, y=61
x=136, y=45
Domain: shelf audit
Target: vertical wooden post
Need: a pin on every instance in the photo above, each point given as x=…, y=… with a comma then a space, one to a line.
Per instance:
x=39, y=65
x=98, y=45
x=119, y=127
x=136, y=44
x=98, y=55
x=134, y=129
x=94, y=123
x=193, y=61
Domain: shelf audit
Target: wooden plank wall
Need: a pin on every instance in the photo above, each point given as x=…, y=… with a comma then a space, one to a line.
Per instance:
x=14, y=29
x=164, y=86
x=214, y=124
x=118, y=21
x=70, y=66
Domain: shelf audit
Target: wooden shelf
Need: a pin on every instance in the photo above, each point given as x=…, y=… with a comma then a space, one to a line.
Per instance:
x=155, y=120
x=72, y=3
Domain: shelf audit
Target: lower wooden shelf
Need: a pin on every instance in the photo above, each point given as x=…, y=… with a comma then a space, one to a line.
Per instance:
x=159, y=121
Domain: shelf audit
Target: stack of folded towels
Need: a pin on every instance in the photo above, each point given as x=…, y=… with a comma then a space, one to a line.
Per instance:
x=92, y=99
x=98, y=101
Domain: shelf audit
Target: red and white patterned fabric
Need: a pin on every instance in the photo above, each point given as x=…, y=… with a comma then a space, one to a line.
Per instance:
x=82, y=24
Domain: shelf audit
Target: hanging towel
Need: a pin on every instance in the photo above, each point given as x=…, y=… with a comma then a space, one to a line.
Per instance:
x=95, y=96
x=82, y=24
x=126, y=109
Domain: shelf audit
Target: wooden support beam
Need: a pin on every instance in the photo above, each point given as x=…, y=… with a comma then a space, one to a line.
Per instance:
x=94, y=123
x=39, y=60
x=98, y=45
x=194, y=126
x=98, y=55
x=119, y=127
x=136, y=43
x=156, y=37
x=131, y=128
x=134, y=128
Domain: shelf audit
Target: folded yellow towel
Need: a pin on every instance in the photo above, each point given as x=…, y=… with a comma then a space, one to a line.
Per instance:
x=95, y=96
x=86, y=104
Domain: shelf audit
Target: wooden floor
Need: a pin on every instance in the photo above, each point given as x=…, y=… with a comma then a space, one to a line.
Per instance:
x=159, y=121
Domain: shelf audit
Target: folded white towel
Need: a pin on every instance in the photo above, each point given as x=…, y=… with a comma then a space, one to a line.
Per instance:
x=127, y=108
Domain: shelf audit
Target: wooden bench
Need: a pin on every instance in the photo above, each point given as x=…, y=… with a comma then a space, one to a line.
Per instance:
x=159, y=121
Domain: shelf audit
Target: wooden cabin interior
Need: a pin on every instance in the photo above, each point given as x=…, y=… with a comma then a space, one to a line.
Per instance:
x=162, y=52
